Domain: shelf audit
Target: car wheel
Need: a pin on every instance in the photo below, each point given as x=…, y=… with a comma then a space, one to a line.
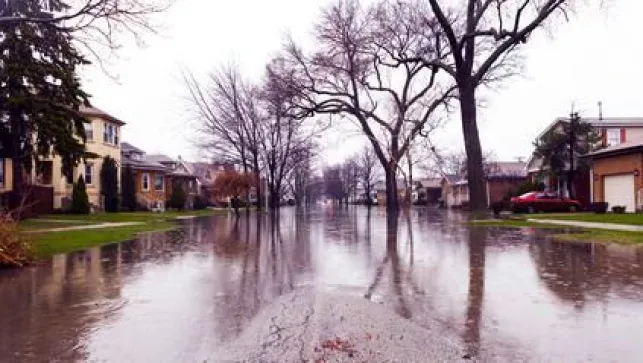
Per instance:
x=531, y=209
x=572, y=209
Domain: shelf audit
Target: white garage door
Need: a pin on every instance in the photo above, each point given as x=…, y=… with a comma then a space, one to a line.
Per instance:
x=619, y=190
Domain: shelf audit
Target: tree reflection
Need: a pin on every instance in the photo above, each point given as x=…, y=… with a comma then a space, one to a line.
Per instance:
x=477, y=238
x=392, y=256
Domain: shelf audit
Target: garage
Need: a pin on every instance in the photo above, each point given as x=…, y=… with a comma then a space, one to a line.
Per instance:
x=619, y=190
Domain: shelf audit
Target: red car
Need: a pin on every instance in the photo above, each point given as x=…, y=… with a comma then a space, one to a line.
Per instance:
x=534, y=202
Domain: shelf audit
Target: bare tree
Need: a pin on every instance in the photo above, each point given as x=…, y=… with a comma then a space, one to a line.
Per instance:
x=226, y=109
x=367, y=166
x=349, y=171
x=358, y=73
x=482, y=37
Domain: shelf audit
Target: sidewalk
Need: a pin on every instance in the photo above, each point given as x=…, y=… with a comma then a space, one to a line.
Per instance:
x=591, y=225
x=89, y=226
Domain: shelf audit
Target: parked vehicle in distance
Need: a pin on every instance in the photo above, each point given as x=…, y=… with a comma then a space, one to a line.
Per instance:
x=534, y=202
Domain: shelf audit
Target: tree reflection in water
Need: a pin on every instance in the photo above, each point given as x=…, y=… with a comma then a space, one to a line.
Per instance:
x=477, y=246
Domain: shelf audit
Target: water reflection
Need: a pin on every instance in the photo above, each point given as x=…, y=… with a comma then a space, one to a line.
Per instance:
x=499, y=294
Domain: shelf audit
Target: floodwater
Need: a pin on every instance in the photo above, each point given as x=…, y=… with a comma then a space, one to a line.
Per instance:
x=512, y=295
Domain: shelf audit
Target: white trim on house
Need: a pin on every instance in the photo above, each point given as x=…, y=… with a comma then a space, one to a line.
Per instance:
x=145, y=177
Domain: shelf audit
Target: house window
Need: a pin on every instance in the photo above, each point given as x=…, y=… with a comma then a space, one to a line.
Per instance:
x=89, y=174
x=613, y=137
x=146, y=182
x=110, y=134
x=89, y=131
x=68, y=173
x=158, y=182
x=44, y=172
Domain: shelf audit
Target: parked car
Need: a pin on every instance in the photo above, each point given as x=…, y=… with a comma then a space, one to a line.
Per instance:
x=534, y=202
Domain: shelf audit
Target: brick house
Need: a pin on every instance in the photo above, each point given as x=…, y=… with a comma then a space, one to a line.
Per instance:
x=501, y=179
x=614, y=131
x=616, y=175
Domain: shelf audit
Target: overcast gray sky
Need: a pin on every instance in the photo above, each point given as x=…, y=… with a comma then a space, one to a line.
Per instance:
x=596, y=56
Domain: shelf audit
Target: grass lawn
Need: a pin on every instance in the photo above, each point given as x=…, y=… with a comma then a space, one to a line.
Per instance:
x=635, y=219
x=50, y=243
x=580, y=235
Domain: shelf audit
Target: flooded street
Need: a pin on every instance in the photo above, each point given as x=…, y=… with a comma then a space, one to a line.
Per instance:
x=186, y=295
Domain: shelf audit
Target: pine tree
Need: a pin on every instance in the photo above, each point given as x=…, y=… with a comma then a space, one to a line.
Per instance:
x=128, y=189
x=560, y=149
x=41, y=92
x=109, y=184
x=177, y=197
x=79, y=198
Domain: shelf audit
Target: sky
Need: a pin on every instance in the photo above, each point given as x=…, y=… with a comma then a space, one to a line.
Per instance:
x=596, y=56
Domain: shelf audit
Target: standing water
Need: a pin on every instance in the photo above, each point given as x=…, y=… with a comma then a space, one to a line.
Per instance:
x=186, y=295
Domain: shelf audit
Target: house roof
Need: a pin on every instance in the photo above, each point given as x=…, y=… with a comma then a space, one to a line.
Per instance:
x=160, y=158
x=96, y=112
x=125, y=146
x=619, y=149
x=430, y=182
x=599, y=122
x=508, y=169
x=144, y=164
x=450, y=178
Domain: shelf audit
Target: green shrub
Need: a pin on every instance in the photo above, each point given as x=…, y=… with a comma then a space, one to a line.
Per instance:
x=177, y=197
x=15, y=248
x=128, y=189
x=79, y=198
x=200, y=203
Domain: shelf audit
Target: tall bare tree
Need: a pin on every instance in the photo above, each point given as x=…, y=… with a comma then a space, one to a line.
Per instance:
x=359, y=72
x=482, y=37
x=368, y=172
x=227, y=111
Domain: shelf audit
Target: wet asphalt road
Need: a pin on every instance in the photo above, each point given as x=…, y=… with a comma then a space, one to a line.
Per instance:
x=328, y=285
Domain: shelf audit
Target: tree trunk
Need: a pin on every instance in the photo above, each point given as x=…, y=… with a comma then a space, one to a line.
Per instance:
x=18, y=180
x=475, y=170
x=368, y=195
x=392, y=197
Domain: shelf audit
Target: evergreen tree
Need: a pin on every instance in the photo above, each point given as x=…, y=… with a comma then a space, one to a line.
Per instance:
x=41, y=93
x=79, y=199
x=177, y=197
x=109, y=184
x=128, y=189
x=560, y=149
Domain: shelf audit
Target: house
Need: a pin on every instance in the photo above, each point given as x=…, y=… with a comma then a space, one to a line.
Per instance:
x=150, y=177
x=103, y=132
x=155, y=175
x=613, y=131
x=178, y=172
x=427, y=191
x=206, y=174
x=616, y=175
x=500, y=180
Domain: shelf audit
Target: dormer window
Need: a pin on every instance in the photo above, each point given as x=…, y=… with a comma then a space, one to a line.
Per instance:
x=136, y=156
x=110, y=134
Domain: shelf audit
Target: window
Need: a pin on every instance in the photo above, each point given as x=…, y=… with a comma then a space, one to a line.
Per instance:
x=89, y=174
x=145, y=182
x=68, y=173
x=44, y=172
x=89, y=131
x=110, y=134
x=613, y=137
x=158, y=182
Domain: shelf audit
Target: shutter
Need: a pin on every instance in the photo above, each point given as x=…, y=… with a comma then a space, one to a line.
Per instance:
x=604, y=136
x=623, y=135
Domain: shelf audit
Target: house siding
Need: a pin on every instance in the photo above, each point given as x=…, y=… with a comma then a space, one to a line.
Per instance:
x=62, y=190
x=499, y=188
x=148, y=197
x=615, y=165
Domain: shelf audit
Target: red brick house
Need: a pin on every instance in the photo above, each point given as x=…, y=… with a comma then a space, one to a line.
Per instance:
x=502, y=178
